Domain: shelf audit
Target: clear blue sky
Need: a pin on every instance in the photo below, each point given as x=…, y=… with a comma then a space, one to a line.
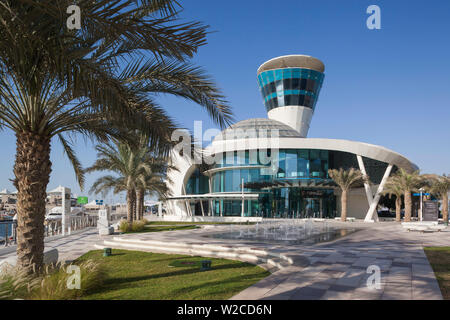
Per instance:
x=389, y=87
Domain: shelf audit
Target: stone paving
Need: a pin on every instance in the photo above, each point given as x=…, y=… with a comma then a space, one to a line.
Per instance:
x=338, y=270
x=334, y=270
x=69, y=247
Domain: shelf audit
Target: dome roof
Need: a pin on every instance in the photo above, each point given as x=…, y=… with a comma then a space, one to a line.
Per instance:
x=255, y=128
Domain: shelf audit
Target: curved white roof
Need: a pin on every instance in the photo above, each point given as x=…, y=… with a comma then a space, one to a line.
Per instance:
x=359, y=148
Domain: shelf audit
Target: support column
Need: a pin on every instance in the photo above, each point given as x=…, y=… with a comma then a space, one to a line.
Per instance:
x=201, y=206
x=366, y=184
x=376, y=199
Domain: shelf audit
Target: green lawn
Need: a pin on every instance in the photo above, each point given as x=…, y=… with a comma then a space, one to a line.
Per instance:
x=143, y=275
x=439, y=258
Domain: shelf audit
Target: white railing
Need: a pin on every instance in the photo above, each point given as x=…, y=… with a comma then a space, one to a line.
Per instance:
x=54, y=227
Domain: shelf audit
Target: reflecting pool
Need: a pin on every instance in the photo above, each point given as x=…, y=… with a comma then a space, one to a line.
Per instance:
x=302, y=231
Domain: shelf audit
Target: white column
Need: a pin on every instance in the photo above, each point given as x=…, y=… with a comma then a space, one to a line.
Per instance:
x=201, y=206
x=367, y=187
x=376, y=199
x=366, y=183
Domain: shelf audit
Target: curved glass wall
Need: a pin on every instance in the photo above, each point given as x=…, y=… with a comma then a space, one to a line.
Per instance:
x=197, y=183
x=290, y=87
x=287, y=163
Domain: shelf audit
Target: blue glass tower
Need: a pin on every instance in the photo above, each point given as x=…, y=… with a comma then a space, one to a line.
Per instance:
x=290, y=87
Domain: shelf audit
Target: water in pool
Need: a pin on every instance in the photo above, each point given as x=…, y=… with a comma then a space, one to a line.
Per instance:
x=302, y=231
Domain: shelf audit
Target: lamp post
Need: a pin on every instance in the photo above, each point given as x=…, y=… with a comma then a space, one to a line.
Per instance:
x=421, y=203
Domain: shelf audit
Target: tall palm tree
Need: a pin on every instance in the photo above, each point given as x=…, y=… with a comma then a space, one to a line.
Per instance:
x=393, y=189
x=153, y=183
x=408, y=182
x=96, y=81
x=440, y=186
x=345, y=179
x=128, y=164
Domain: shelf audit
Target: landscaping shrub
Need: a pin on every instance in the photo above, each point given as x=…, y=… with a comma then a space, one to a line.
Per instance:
x=51, y=283
x=138, y=226
x=124, y=226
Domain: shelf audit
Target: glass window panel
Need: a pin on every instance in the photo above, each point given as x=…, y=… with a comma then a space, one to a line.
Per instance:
x=236, y=181
x=228, y=181
x=288, y=100
x=287, y=84
x=278, y=74
x=310, y=85
x=291, y=164
x=314, y=154
x=279, y=86
x=287, y=73
x=308, y=102
x=303, y=84
x=301, y=100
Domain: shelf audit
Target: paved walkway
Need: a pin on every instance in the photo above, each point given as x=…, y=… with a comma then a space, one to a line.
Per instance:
x=69, y=247
x=339, y=270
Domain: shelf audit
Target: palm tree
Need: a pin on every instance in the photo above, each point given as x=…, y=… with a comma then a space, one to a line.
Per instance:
x=408, y=182
x=391, y=188
x=96, y=81
x=120, y=159
x=440, y=186
x=153, y=183
x=345, y=179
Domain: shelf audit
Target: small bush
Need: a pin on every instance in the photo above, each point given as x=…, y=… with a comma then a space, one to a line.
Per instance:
x=51, y=283
x=124, y=226
x=16, y=283
x=138, y=226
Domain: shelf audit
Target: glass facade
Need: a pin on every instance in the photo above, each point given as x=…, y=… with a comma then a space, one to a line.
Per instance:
x=197, y=183
x=285, y=164
x=288, y=202
x=300, y=168
x=290, y=87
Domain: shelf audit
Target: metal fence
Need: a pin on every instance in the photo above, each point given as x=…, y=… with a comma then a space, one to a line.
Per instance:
x=8, y=228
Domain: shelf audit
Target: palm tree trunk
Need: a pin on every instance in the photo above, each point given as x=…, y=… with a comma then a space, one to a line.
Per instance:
x=344, y=205
x=131, y=201
x=445, y=208
x=134, y=208
x=398, y=208
x=140, y=204
x=32, y=171
x=408, y=206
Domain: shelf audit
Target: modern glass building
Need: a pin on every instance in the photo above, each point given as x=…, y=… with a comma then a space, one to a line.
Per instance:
x=267, y=168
